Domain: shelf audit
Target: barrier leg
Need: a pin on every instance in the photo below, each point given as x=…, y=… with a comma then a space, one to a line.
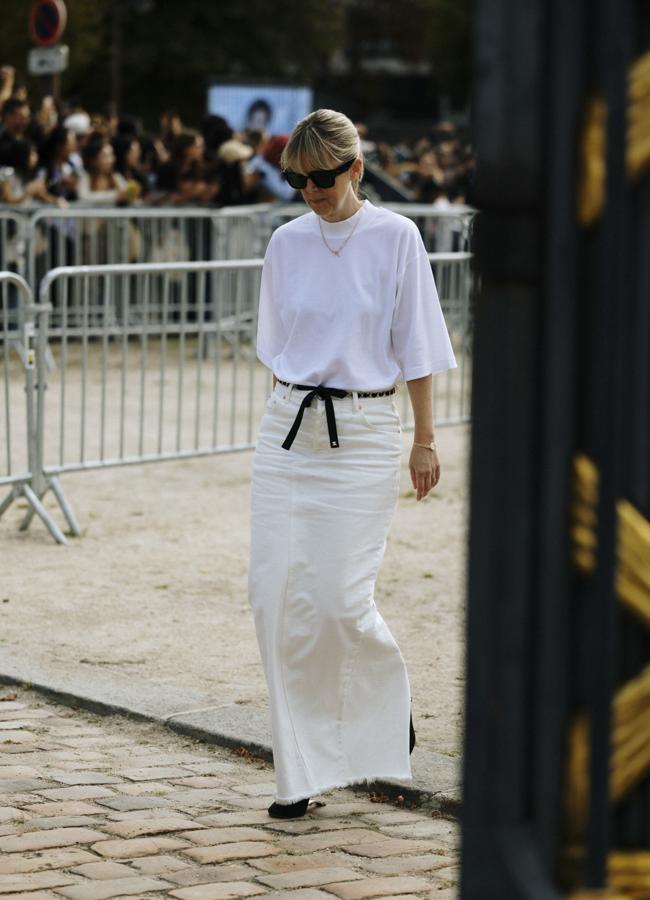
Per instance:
x=57, y=490
x=8, y=500
x=42, y=513
x=29, y=515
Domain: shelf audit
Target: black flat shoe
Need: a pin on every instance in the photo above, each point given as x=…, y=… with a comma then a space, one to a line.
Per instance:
x=289, y=810
x=411, y=735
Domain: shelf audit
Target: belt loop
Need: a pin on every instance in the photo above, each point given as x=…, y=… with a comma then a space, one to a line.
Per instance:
x=287, y=393
x=355, y=400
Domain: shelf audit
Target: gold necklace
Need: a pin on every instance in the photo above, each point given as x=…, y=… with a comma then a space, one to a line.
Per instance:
x=338, y=252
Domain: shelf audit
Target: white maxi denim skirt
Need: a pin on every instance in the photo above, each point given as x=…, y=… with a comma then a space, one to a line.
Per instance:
x=339, y=693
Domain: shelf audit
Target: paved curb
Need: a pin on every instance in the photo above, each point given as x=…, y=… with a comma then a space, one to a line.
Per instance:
x=436, y=778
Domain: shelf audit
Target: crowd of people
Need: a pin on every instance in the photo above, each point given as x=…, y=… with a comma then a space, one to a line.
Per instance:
x=58, y=153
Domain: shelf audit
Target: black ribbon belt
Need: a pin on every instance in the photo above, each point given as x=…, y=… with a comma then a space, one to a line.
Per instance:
x=326, y=394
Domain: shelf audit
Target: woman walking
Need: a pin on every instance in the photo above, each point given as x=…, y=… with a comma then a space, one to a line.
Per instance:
x=348, y=308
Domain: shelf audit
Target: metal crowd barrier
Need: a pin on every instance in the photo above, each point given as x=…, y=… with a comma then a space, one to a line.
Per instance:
x=21, y=470
x=442, y=230
x=103, y=392
x=179, y=379
x=96, y=236
x=180, y=341
x=239, y=231
x=34, y=242
x=35, y=239
x=452, y=389
x=13, y=241
x=132, y=363
x=17, y=362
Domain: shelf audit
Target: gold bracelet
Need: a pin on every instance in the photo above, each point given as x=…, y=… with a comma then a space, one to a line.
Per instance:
x=431, y=446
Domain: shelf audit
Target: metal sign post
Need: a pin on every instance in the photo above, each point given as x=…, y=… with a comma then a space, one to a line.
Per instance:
x=48, y=60
x=47, y=21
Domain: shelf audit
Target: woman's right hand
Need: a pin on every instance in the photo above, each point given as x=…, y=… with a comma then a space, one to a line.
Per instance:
x=424, y=467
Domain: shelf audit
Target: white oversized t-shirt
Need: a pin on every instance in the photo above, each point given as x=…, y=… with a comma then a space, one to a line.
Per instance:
x=364, y=320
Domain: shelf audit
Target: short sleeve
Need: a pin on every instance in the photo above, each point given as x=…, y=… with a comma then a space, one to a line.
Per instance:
x=419, y=334
x=269, y=324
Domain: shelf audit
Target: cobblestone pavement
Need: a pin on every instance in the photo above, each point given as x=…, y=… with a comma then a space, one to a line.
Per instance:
x=94, y=807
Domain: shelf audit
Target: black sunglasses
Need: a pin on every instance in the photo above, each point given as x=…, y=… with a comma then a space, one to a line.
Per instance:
x=322, y=178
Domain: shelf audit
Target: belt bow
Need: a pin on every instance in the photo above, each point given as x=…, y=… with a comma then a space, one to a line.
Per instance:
x=326, y=394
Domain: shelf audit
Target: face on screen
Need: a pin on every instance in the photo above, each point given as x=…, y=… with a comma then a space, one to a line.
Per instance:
x=275, y=109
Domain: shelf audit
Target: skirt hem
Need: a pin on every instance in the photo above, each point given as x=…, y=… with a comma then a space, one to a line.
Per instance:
x=341, y=784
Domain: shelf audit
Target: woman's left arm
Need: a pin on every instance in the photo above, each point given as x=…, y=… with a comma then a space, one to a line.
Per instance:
x=423, y=463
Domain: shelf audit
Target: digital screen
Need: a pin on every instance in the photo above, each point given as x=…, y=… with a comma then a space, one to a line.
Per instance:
x=272, y=108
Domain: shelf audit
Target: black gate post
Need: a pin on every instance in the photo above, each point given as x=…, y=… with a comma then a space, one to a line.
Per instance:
x=561, y=436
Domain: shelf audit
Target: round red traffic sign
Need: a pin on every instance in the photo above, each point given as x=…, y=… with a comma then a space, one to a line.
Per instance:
x=47, y=21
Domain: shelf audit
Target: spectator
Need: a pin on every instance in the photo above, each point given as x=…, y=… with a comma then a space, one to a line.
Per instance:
x=250, y=172
x=57, y=171
x=79, y=123
x=422, y=170
x=100, y=183
x=100, y=124
x=422, y=145
x=217, y=166
x=387, y=159
x=20, y=186
x=262, y=174
x=215, y=131
x=44, y=120
x=15, y=119
x=444, y=131
x=367, y=147
x=20, y=93
x=231, y=155
x=128, y=126
x=111, y=122
x=7, y=77
x=171, y=127
x=274, y=148
x=150, y=161
x=276, y=182
x=184, y=178
x=128, y=155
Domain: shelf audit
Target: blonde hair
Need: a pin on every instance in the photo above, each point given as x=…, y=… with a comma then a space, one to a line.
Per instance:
x=323, y=140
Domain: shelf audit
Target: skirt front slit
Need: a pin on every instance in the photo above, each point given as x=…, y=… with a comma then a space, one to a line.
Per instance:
x=339, y=694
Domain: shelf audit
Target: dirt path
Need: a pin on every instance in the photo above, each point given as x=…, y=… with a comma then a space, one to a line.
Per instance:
x=156, y=585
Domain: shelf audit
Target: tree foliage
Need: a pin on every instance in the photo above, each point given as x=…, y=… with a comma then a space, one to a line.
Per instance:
x=84, y=35
x=449, y=41
x=432, y=31
x=170, y=51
